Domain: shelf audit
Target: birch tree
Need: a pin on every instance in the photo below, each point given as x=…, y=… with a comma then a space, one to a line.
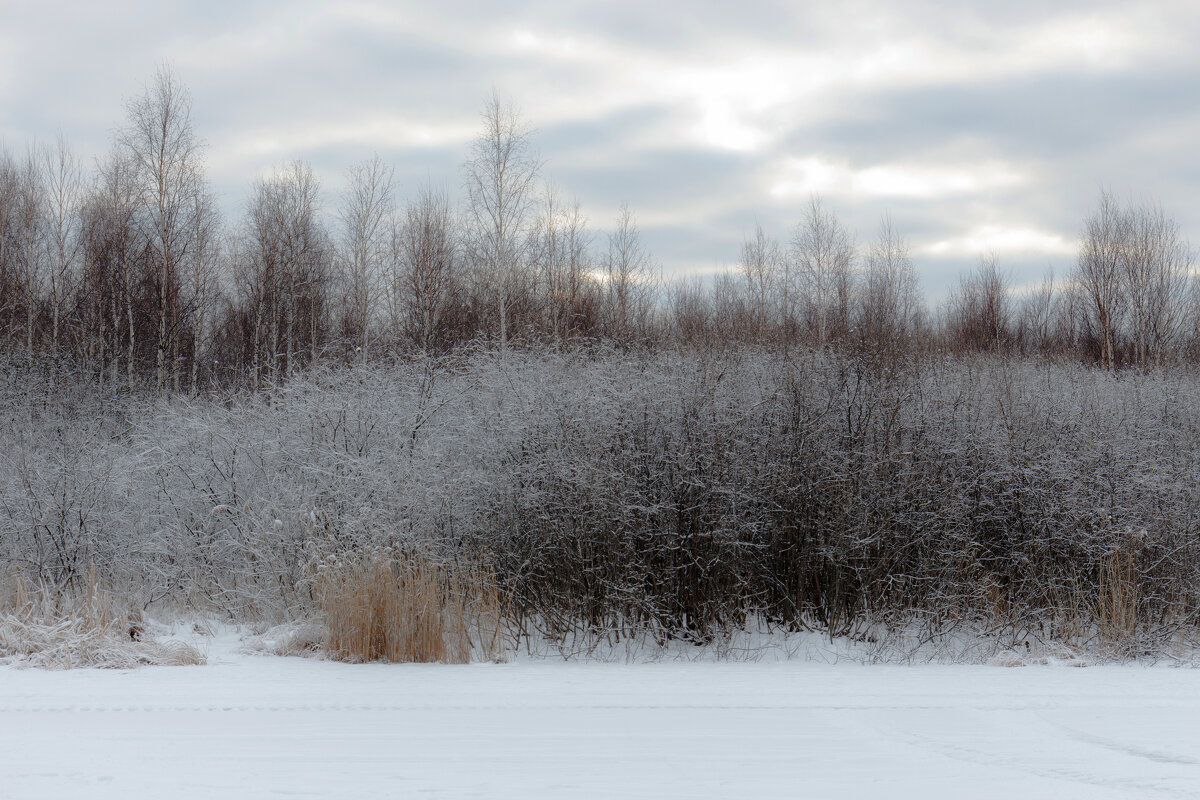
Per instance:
x=366, y=213
x=64, y=194
x=890, y=298
x=168, y=156
x=426, y=255
x=629, y=277
x=500, y=177
x=760, y=268
x=822, y=251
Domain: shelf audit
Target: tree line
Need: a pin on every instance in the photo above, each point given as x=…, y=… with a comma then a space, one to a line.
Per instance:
x=128, y=272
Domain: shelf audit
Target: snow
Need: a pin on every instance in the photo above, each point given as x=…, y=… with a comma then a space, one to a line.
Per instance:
x=265, y=726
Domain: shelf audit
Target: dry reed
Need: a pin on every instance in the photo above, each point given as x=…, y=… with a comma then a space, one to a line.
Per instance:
x=1118, y=595
x=385, y=605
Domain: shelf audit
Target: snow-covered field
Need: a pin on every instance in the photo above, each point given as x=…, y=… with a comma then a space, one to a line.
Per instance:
x=262, y=726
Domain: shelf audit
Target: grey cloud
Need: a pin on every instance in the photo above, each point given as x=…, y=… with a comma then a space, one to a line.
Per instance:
x=616, y=104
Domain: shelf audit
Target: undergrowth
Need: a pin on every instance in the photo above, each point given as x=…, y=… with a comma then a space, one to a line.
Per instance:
x=42, y=626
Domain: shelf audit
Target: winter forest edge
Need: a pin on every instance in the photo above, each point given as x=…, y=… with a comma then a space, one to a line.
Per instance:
x=441, y=429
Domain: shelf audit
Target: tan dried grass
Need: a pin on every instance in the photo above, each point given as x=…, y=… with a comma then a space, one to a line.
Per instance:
x=387, y=605
x=1119, y=596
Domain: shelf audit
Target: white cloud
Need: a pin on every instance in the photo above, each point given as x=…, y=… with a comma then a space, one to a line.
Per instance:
x=800, y=177
x=745, y=98
x=1002, y=239
x=377, y=130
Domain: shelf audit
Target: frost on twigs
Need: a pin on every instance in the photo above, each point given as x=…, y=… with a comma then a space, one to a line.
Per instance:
x=629, y=500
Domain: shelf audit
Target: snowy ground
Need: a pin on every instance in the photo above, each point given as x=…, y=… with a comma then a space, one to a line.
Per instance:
x=261, y=726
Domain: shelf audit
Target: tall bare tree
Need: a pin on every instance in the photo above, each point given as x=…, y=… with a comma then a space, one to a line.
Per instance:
x=10, y=192
x=284, y=270
x=367, y=211
x=979, y=311
x=1133, y=270
x=205, y=268
x=1157, y=266
x=1036, y=328
x=113, y=265
x=500, y=177
x=426, y=258
x=559, y=253
x=630, y=277
x=31, y=251
x=1099, y=275
x=890, y=297
x=822, y=252
x=168, y=156
x=761, y=266
x=64, y=196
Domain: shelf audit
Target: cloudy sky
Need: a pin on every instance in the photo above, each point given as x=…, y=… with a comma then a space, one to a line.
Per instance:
x=981, y=127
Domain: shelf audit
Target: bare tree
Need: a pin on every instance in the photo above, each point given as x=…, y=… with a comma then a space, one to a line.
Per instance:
x=31, y=239
x=10, y=190
x=366, y=212
x=891, y=304
x=690, y=305
x=730, y=306
x=559, y=254
x=112, y=257
x=1099, y=275
x=1157, y=264
x=822, y=251
x=64, y=194
x=158, y=139
x=206, y=264
x=284, y=273
x=630, y=278
x=1036, y=327
x=979, y=314
x=1133, y=270
x=500, y=177
x=760, y=267
x=426, y=259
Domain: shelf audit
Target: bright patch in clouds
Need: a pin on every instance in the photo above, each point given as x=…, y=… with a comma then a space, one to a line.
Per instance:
x=721, y=127
x=565, y=48
x=815, y=175
x=999, y=239
x=392, y=132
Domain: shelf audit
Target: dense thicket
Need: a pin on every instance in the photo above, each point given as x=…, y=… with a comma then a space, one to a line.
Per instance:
x=670, y=492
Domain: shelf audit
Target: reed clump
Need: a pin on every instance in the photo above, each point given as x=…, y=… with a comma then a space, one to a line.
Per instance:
x=384, y=604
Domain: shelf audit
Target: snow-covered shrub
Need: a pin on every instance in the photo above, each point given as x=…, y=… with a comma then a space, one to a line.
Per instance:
x=624, y=493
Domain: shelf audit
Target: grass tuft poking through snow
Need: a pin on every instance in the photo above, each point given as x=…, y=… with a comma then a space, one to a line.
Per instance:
x=48, y=628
